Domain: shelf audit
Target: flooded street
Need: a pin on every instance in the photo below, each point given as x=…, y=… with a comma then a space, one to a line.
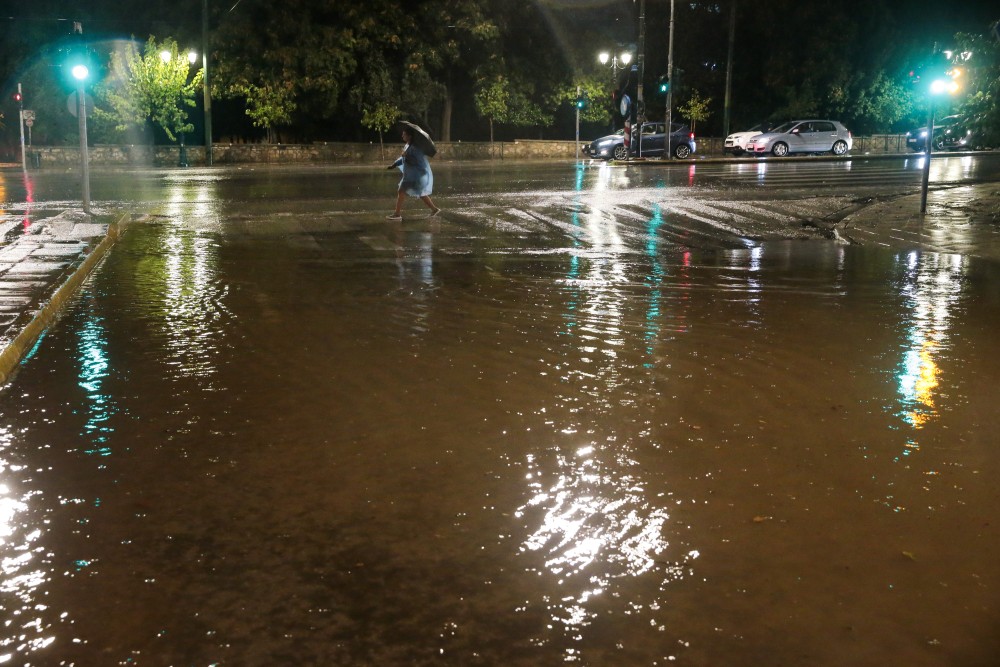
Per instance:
x=593, y=415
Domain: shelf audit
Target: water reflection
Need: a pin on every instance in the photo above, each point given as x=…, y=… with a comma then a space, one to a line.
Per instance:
x=21, y=576
x=591, y=517
x=92, y=354
x=932, y=286
x=183, y=285
x=415, y=273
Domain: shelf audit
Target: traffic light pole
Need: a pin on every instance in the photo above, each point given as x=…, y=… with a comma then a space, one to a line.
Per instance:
x=577, y=106
x=670, y=84
x=20, y=124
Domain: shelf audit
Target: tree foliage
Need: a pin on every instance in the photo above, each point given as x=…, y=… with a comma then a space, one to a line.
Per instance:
x=980, y=105
x=268, y=105
x=155, y=85
x=319, y=69
x=696, y=108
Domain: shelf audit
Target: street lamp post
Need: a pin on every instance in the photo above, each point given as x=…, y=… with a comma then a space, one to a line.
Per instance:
x=615, y=62
x=81, y=73
x=205, y=85
x=192, y=58
x=938, y=86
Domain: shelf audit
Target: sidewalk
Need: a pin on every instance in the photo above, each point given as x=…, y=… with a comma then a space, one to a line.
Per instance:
x=40, y=269
x=962, y=219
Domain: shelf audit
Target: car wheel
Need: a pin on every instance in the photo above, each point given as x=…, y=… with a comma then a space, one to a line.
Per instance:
x=620, y=152
x=780, y=149
x=938, y=143
x=839, y=148
x=682, y=151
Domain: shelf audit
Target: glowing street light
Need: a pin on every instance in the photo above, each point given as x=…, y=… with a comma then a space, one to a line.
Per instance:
x=81, y=73
x=938, y=87
x=615, y=62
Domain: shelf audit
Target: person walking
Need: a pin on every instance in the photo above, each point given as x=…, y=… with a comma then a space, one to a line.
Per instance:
x=418, y=179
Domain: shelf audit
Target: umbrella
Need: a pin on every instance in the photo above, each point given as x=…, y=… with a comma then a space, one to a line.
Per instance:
x=421, y=139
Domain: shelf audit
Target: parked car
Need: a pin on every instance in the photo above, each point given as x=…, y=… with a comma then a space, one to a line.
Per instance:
x=949, y=134
x=736, y=143
x=803, y=136
x=652, y=141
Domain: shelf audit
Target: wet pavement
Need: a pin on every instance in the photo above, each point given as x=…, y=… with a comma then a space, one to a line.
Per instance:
x=601, y=416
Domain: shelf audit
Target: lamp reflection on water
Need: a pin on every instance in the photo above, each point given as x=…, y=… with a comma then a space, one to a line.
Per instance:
x=933, y=286
x=92, y=355
x=21, y=577
x=591, y=518
x=184, y=285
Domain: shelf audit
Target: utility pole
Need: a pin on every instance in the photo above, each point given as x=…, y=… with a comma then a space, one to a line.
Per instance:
x=640, y=105
x=20, y=123
x=729, y=70
x=670, y=82
x=205, y=87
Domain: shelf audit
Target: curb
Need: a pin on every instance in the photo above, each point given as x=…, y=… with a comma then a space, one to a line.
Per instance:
x=15, y=351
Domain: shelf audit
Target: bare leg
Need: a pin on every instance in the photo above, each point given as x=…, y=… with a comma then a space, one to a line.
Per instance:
x=400, y=196
x=430, y=204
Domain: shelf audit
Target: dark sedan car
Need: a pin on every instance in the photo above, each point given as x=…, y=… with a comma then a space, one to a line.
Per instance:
x=949, y=134
x=649, y=144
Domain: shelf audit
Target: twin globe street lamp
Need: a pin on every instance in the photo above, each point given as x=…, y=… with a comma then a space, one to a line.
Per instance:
x=612, y=61
x=192, y=58
x=938, y=87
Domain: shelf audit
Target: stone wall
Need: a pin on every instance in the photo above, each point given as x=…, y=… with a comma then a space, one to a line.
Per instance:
x=360, y=153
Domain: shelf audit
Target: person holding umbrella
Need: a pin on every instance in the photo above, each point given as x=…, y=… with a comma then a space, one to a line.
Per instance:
x=418, y=179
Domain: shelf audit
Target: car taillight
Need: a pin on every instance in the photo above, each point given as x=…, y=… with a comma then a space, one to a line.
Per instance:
x=691, y=136
x=851, y=136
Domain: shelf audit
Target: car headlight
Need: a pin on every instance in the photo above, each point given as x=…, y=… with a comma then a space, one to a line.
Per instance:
x=923, y=133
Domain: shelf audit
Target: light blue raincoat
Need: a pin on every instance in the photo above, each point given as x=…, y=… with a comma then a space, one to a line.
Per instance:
x=418, y=179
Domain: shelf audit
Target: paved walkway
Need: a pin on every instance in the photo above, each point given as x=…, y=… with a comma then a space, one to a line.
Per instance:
x=962, y=219
x=40, y=268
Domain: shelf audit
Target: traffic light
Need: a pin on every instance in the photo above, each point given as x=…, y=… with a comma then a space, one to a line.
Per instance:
x=664, y=84
x=17, y=97
x=581, y=103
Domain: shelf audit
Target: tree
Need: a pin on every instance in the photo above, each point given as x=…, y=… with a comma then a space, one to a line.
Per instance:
x=980, y=106
x=695, y=109
x=380, y=117
x=268, y=105
x=153, y=86
x=493, y=100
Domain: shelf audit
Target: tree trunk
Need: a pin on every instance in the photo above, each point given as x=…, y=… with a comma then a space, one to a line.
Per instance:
x=449, y=103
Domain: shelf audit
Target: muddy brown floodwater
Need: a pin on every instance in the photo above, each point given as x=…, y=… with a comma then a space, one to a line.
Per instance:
x=546, y=429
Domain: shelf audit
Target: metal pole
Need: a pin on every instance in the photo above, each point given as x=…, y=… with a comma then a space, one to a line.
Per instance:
x=614, y=86
x=640, y=105
x=205, y=83
x=20, y=123
x=729, y=71
x=81, y=112
x=577, y=124
x=927, y=157
x=670, y=82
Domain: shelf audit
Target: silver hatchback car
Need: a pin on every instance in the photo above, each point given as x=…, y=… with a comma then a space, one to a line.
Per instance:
x=803, y=136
